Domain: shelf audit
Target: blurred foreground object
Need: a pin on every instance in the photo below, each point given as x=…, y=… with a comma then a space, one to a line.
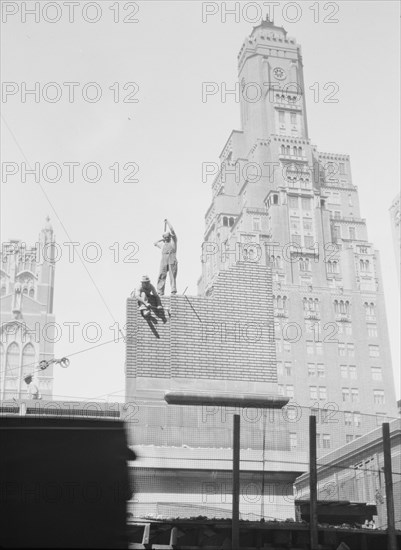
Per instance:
x=64, y=483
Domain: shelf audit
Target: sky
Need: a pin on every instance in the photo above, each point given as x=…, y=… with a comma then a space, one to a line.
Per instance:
x=135, y=110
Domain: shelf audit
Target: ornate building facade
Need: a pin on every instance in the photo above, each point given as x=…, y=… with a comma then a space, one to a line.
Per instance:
x=27, y=319
x=278, y=201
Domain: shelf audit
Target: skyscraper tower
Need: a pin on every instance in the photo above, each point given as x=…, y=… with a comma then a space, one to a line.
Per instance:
x=27, y=319
x=277, y=200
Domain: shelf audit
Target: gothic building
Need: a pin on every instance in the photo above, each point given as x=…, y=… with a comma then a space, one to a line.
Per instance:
x=27, y=319
x=279, y=201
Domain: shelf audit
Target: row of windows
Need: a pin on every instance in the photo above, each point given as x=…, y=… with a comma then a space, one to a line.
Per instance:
x=293, y=202
x=319, y=370
x=295, y=151
x=323, y=441
x=28, y=292
x=337, y=233
x=12, y=359
x=228, y=221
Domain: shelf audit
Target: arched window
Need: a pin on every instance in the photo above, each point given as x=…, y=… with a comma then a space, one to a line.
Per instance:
x=231, y=222
x=28, y=360
x=283, y=149
x=278, y=262
x=316, y=304
x=294, y=150
x=25, y=290
x=279, y=302
x=305, y=303
x=31, y=293
x=300, y=151
x=346, y=307
x=11, y=371
x=336, y=306
x=285, y=303
x=225, y=221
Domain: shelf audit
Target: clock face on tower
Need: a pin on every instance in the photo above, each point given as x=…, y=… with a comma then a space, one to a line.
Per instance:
x=279, y=73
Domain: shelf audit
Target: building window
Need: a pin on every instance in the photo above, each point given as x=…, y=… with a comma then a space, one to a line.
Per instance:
x=304, y=264
x=306, y=204
x=288, y=368
x=296, y=239
x=378, y=397
x=313, y=392
x=336, y=232
x=231, y=221
x=256, y=224
x=321, y=370
x=357, y=420
x=352, y=234
x=11, y=371
x=311, y=369
x=326, y=441
x=344, y=371
x=373, y=351
x=280, y=389
x=319, y=348
x=348, y=419
x=290, y=391
x=372, y=331
x=225, y=221
x=287, y=347
x=352, y=372
x=354, y=395
x=342, y=168
x=293, y=202
x=281, y=120
x=322, y=392
x=349, y=438
x=376, y=373
x=351, y=350
x=307, y=223
x=345, y=394
x=28, y=360
x=309, y=241
x=369, y=309
x=337, y=214
x=341, y=349
x=293, y=440
x=295, y=223
x=280, y=371
x=332, y=266
x=293, y=118
x=309, y=347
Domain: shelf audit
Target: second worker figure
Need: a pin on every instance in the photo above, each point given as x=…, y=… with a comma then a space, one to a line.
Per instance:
x=168, y=245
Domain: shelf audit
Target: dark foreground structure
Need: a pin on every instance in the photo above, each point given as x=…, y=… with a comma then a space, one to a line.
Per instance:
x=64, y=483
x=215, y=535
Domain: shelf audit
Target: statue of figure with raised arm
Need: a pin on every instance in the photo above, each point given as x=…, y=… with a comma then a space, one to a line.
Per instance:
x=168, y=245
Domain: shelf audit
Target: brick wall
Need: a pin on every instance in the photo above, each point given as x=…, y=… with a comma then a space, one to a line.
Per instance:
x=223, y=342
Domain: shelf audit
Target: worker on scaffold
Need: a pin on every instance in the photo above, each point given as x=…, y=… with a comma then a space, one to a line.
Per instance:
x=168, y=245
x=147, y=297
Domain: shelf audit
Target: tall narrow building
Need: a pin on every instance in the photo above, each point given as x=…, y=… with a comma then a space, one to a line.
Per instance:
x=278, y=201
x=27, y=319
